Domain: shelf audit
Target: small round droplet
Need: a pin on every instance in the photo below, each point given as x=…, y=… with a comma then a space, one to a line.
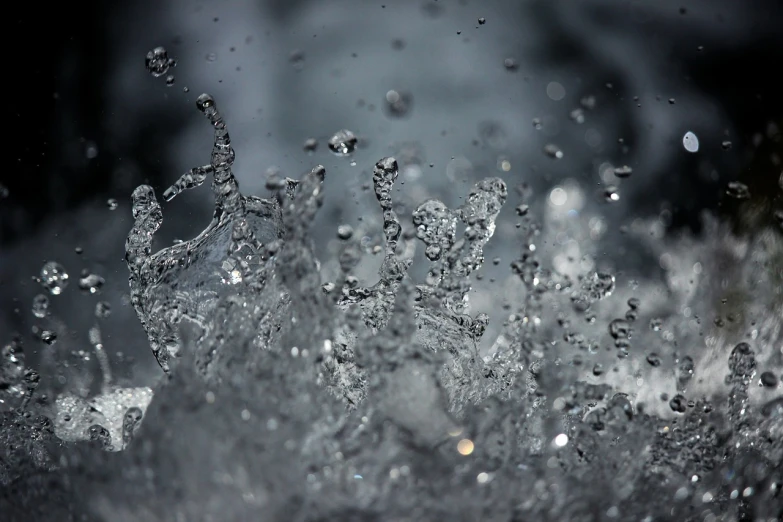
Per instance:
x=91, y=283
x=40, y=306
x=482, y=20
x=344, y=232
x=343, y=142
x=726, y=144
x=510, y=64
x=553, y=151
x=678, y=403
x=398, y=103
x=522, y=210
x=768, y=380
x=112, y=204
x=186, y=89
x=310, y=145
x=623, y=172
x=654, y=360
x=611, y=194
x=170, y=80
x=598, y=369
x=211, y=57
x=54, y=277
x=690, y=142
x=204, y=102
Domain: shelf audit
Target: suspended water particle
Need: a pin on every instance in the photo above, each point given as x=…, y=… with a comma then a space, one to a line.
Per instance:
x=170, y=80
x=555, y=91
x=737, y=190
x=619, y=329
x=185, y=89
x=53, y=277
x=131, y=422
x=310, y=145
x=158, y=62
x=91, y=283
x=653, y=359
x=522, y=210
x=588, y=102
x=553, y=151
x=343, y=142
x=656, y=324
x=768, y=379
x=537, y=123
x=671, y=101
x=49, y=337
x=211, y=57
x=598, y=369
x=91, y=150
x=398, y=103
x=726, y=144
x=465, y=447
x=510, y=64
x=40, y=306
x=678, y=403
x=99, y=435
x=344, y=232
x=633, y=303
x=611, y=194
x=296, y=58
x=561, y=440
x=623, y=172
x=102, y=309
x=690, y=142
x=112, y=204
x=482, y=20
x=577, y=116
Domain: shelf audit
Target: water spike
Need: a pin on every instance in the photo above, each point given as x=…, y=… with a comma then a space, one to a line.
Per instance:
x=191, y=179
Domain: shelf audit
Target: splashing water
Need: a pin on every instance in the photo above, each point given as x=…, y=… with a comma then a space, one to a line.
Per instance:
x=301, y=400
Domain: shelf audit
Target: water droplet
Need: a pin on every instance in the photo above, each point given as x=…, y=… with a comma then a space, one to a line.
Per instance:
x=398, y=103
x=99, y=435
x=112, y=204
x=555, y=91
x=310, y=145
x=40, y=306
x=690, y=142
x=54, y=277
x=553, y=151
x=158, y=62
x=522, y=210
x=482, y=20
x=678, y=403
x=102, y=310
x=297, y=58
x=737, y=190
x=510, y=64
x=343, y=142
x=344, y=232
x=211, y=57
x=577, y=116
x=654, y=359
x=91, y=283
x=611, y=194
x=170, y=80
x=49, y=337
x=726, y=144
x=623, y=172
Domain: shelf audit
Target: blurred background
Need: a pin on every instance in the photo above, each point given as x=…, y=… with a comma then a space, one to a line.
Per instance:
x=552, y=94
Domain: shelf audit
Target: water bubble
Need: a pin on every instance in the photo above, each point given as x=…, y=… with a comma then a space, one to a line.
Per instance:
x=54, y=277
x=654, y=359
x=623, y=172
x=112, y=204
x=768, y=379
x=690, y=142
x=678, y=403
x=158, y=62
x=611, y=194
x=344, y=232
x=102, y=309
x=398, y=103
x=510, y=64
x=40, y=306
x=91, y=283
x=310, y=145
x=553, y=151
x=737, y=190
x=343, y=142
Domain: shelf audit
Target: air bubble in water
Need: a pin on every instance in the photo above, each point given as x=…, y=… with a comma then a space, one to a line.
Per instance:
x=40, y=306
x=343, y=142
x=344, y=232
x=690, y=142
x=54, y=277
x=158, y=62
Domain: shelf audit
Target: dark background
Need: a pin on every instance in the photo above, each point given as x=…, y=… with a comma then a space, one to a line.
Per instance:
x=87, y=122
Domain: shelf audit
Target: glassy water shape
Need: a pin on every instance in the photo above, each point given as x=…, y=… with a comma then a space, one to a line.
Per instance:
x=287, y=397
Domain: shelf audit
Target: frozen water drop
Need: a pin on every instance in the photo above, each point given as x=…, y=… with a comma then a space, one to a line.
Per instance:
x=690, y=142
x=343, y=142
x=54, y=277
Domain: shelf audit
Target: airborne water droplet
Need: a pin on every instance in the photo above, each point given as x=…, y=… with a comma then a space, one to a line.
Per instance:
x=343, y=142
x=54, y=277
x=158, y=62
x=690, y=142
x=553, y=151
x=112, y=204
x=40, y=306
x=623, y=172
x=737, y=190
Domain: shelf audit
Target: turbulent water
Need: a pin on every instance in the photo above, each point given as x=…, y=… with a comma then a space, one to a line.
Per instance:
x=289, y=397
